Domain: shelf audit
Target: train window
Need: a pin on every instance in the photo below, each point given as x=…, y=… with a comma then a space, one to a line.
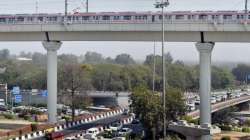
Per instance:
x=75, y=18
x=69, y=18
x=96, y=17
x=40, y=18
x=215, y=17
x=227, y=16
x=179, y=17
x=202, y=16
x=20, y=19
x=127, y=17
x=168, y=16
x=240, y=16
x=189, y=17
x=11, y=19
x=160, y=16
x=248, y=16
x=2, y=20
x=85, y=17
x=29, y=18
x=116, y=17
x=137, y=17
x=144, y=17
x=52, y=18
x=105, y=17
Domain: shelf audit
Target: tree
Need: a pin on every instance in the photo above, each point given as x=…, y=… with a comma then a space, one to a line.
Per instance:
x=147, y=106
x=39, y=59
x=124, y=59
x=221, y=78
x=241, y=72
x=93, y=58
x=74, y=78
x=4, y=54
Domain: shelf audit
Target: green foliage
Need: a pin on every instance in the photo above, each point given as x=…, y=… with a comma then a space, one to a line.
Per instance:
x=9, y=116
x=246, y=129
x=241, y=71
x=189, y=119
x=226, y=138
x=247, y=123
x=147, y=106
x=226, y=127
x=124, y=59
x=34, y=127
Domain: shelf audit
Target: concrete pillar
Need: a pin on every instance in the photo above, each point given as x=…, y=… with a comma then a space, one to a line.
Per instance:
x=205, y=50
x=52, y=48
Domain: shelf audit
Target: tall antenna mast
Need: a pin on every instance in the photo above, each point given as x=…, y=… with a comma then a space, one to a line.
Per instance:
x=36, y=6
x=66, y=8
x=154, y=70
x=87, y=6
x=246, y=9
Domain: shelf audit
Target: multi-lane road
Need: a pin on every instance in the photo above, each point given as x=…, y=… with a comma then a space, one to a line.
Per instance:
x=102, y=122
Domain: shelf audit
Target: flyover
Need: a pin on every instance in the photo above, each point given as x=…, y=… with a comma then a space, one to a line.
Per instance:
x=176, y=31
x=222, y=105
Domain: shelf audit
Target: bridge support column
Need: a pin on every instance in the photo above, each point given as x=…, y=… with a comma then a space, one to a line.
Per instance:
x=205, y=50
x=52, y=48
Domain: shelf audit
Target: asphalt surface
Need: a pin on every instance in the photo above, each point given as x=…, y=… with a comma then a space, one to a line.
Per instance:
x=77, y=129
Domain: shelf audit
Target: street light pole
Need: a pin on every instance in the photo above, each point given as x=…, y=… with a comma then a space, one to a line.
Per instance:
x=162, y=5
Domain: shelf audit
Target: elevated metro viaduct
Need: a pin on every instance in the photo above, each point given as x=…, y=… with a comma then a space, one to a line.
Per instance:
x=203, y=32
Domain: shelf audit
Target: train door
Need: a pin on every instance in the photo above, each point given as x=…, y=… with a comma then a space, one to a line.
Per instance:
x=153, y=18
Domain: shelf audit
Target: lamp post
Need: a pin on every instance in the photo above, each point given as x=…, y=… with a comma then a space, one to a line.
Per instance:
x=162, y=5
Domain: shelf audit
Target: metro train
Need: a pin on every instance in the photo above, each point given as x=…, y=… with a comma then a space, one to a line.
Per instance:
x=127, y=17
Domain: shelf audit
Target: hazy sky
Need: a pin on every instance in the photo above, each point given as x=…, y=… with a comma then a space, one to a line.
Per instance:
x=184, y=51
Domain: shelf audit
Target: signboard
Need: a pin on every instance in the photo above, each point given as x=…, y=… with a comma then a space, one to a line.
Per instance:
x=45, y=93
x=16, y=90
x=18, y=98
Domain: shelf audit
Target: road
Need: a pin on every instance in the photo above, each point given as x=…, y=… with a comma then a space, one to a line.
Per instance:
x=77, y=129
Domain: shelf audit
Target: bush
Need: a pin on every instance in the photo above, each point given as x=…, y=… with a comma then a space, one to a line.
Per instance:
x=9, y=116
x=226, y=138
x=246, y=129
x=226, y=127
x=34, y=127
x=27, y=117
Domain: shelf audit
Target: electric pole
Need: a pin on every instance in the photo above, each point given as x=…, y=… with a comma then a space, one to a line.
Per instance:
x=66, y=8
x=154, y=70
x=87, y=6
x=36, y=6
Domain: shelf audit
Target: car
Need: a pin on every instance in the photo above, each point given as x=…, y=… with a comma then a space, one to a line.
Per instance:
x=125, y=112
x=135, y=121
x=197, y=102
x=191, y=106
x=218, y=99
x=91, y=133
x=213, y=100
x=124, y=131
x=116, y=126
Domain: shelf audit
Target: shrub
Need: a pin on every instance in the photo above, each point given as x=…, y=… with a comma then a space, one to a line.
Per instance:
x=9, y=116
x=246, y=129
x=226, y=127
x=34, y=127
x=226, y=138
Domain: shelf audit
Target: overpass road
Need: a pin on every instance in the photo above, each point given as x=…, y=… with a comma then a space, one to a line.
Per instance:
x=219, y=106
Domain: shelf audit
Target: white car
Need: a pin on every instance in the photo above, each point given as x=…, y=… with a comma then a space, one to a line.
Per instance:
x=125, y=131
x=92, y=133
x=213, y=100
x=116, y=126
